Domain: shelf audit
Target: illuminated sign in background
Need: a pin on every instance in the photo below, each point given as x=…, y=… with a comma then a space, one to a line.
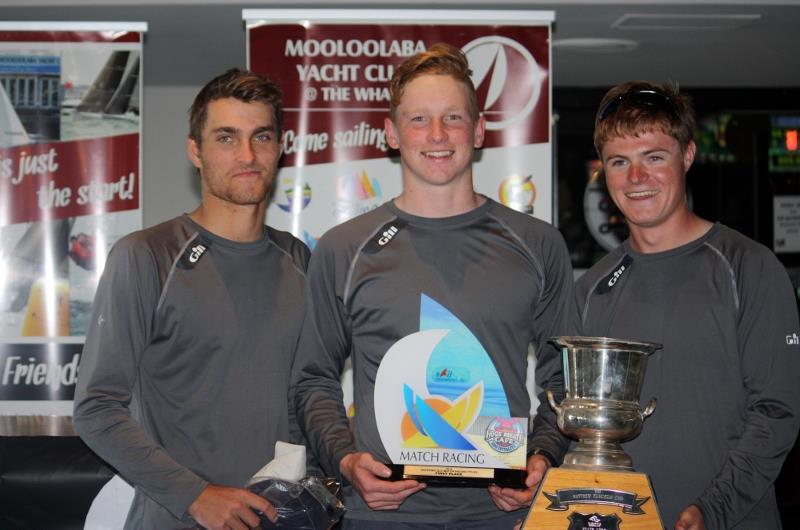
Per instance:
x=784, y=154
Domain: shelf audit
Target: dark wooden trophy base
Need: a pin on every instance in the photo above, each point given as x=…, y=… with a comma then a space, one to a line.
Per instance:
x=459, y=476
x=602, y=500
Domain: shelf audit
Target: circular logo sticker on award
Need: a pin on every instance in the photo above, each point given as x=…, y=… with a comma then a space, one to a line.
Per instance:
x=504, y=436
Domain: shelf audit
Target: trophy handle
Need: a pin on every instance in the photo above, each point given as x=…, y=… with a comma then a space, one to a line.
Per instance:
x=552, y=401
x=651, y=407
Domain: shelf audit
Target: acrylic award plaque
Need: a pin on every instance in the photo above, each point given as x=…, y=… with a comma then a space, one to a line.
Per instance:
x=441, y=410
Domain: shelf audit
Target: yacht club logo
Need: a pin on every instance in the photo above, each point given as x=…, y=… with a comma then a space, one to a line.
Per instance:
x=507, y=78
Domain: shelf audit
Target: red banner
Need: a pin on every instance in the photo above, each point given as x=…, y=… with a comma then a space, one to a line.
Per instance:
x=334, y=68
x=338, y=77
x=68, y=179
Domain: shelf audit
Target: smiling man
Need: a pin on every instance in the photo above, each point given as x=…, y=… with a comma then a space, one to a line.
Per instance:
x=722, y=306
x=184, y=376
x=439, y=255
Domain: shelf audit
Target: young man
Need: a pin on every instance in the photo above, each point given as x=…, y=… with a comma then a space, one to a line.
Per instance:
x=442, y=253
x=194, y=328
x=722, y=306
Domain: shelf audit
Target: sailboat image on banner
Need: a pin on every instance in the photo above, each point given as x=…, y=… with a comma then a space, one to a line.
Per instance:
x=12, y=132
x=115, y=91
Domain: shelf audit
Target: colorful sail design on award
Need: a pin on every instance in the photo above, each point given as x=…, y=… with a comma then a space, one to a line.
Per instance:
x=436, y=422
x=438, y=396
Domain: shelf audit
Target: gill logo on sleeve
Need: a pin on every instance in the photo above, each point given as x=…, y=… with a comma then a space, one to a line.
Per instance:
x=385, y=235
x=196, y=252
x=193, y=253
x=606, y=284
x=615, y=277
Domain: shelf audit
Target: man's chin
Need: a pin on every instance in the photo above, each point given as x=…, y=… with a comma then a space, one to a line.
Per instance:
x=246, y=198
x=252, y=200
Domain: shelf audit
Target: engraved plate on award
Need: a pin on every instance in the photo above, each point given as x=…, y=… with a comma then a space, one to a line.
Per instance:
x=441, y=410
x=596, y=486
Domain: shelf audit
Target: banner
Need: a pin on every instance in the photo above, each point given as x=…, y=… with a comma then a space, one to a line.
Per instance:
x=334, y=68
x=70, y=178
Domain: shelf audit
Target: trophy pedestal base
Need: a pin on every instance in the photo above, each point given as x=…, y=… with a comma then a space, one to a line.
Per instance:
x=459, y=476
x=601, y=500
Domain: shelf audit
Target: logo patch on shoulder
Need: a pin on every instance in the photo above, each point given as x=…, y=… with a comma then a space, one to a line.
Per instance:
x=192, y=255
x=385, y=235
x=606, y=284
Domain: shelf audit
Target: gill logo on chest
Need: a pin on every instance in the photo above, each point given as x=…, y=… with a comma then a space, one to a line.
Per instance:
x=615, y=277
x=196, y=253
x=387, y=235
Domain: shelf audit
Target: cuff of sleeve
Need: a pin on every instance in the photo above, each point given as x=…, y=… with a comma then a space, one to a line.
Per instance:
x=180, y=508
x=539, y=451
x=337, y=461
x=709, y=521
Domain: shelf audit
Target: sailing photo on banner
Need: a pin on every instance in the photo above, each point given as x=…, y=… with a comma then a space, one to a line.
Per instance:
x=70, y=107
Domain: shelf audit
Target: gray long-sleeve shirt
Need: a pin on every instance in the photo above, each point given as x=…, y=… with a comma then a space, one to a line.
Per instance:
x=504, y=275
x=726, y=380
x=196, y=334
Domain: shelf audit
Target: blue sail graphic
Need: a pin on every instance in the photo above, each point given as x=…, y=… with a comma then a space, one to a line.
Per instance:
x=434, y=425
x=461, y=353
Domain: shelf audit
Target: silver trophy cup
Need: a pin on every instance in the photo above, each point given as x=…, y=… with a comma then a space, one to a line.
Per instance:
x=603, y=379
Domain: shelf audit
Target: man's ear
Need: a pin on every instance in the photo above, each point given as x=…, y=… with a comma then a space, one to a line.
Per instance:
x=688, y=155
x=391, y=133
x=480, y=132
x=193, y=150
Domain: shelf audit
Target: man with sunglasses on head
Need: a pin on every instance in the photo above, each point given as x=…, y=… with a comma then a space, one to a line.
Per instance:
x=722, y=305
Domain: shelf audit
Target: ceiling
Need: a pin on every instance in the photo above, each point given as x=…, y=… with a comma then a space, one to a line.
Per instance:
x=693, y=43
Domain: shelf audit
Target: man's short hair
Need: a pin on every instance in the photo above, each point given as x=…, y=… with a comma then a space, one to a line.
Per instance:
x=439, y=59
x=244, y=85
x=637, y=107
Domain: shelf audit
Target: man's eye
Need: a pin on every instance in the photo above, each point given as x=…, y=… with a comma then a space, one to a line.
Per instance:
x=224, y=139
x=454, y=117
x=263, y=138
x=417, y=118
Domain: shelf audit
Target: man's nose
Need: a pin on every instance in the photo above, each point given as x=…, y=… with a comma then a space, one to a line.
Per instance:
x=437, y=132
x=638, y=172
x=246, y=152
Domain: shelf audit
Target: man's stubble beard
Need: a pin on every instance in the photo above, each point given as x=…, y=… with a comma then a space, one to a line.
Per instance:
x=255, y=194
